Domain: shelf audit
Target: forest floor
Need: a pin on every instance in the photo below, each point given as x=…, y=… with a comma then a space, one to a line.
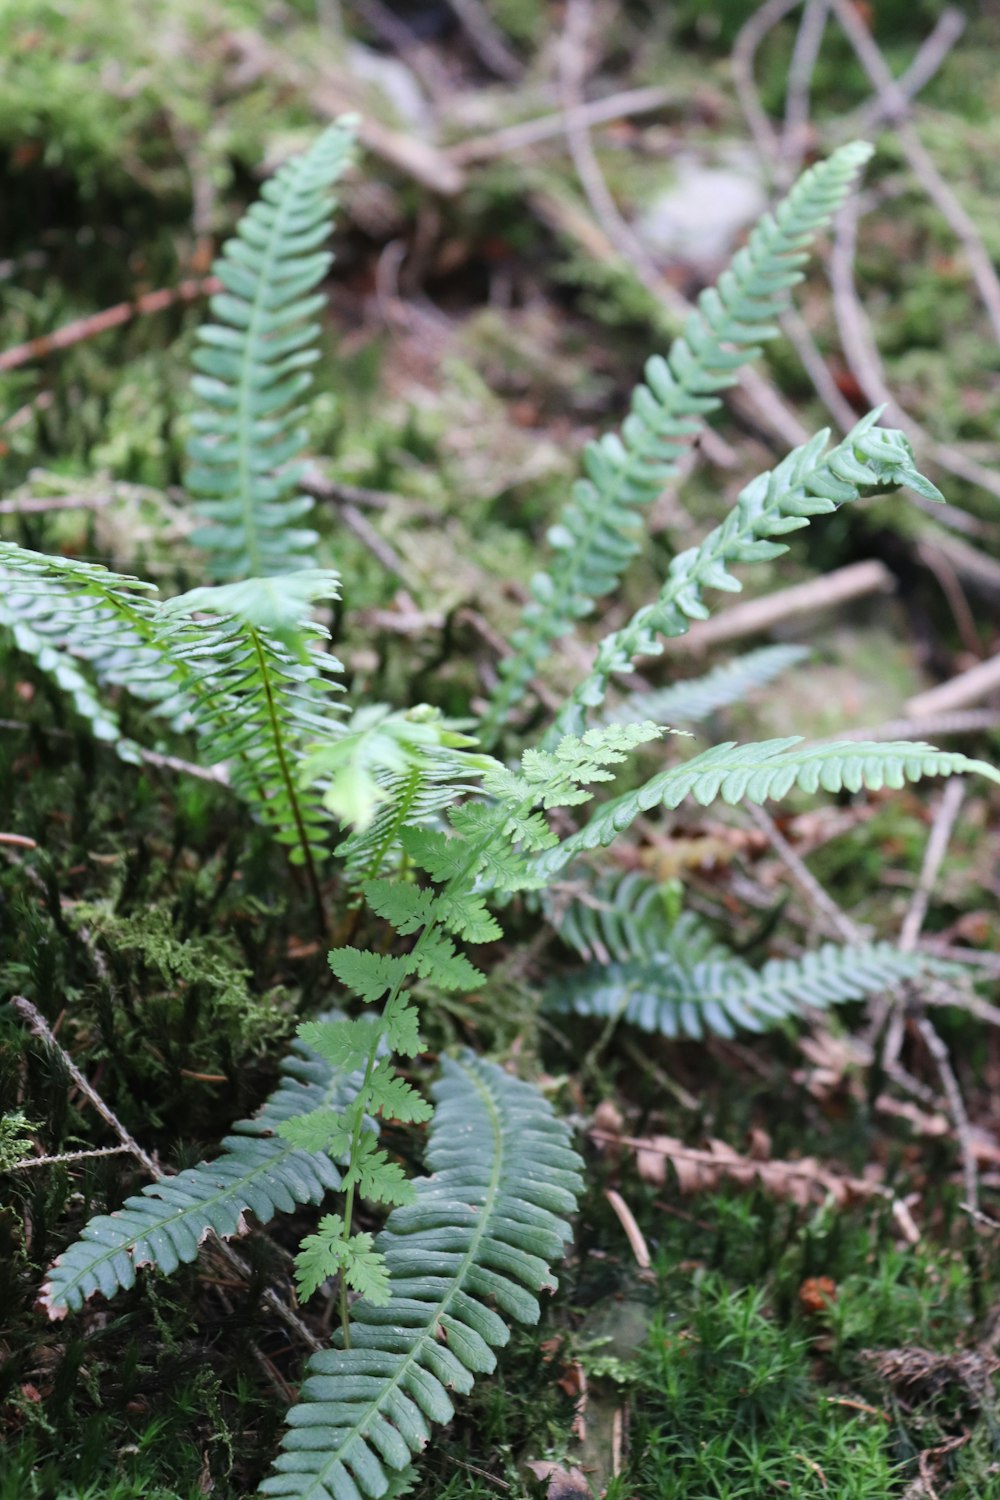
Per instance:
x=785, y=1278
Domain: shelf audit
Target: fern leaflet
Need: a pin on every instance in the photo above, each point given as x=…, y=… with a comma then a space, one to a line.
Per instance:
x=698, y=698
x=481, y=1234
x=677, y=979
x=808, y=482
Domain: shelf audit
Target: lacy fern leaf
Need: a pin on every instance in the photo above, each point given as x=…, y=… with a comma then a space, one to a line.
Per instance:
x=480, y=1235
x=257, y=1172
x=595, y=536
x=253, y=367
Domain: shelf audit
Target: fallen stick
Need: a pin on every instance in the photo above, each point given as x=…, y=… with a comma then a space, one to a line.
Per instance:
x=552, y=127
x=97, y=323
x=968, y=687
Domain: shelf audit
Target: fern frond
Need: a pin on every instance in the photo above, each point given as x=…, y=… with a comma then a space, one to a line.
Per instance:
x=257, y=1172
x=700, y=697
x=238, y=676
x=753, y=773
x=808, y=482
x=480, y=1236
x=595, y=537
x=17, y=612
x=676, y=978
x=253, y=365
x=676, y=999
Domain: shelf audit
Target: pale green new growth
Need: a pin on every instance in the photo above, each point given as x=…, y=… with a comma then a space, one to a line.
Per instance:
x=253, y=363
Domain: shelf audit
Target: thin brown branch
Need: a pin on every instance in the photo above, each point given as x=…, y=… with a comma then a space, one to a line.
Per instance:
x=487, y=40
x=956, y=1106
x=937, y=847
x=979, y=682
x=81, y=329
x=514, y=138
x=921, y=163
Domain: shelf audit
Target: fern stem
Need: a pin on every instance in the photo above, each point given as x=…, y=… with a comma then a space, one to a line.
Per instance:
x=361, y=1103
x=289, y=783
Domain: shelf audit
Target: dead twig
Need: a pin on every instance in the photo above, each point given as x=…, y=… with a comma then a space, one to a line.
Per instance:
x=839, y=922
x=81, y=329
x=805, y=54
x=514, y=138
x=487, y=40
x=937, y=846
x=956, y=1106
x=40, y=1027
x=866, y=366
x=921, y=164
x=932, y=52
x=973, y=686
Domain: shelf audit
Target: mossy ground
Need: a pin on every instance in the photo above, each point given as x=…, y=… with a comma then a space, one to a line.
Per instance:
x=172, y=949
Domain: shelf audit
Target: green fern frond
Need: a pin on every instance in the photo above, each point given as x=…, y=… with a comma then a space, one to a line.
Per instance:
x=17, y=612
x=595, y=536
x=754, y=773
x=699, y=697
x=674, y=993
x=480, y=1236
x=808, y=482
x=258, y=1172
x=239, y=675
x=253, y=365
x=672, y=975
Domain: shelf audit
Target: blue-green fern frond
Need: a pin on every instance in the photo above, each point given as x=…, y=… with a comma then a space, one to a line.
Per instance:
x=257, y=1172
x=473, y=1249
x=755, y=773
x=698, y=698
x=672, y=975
x=595, y=537
x=232, y=665
x=253, y=365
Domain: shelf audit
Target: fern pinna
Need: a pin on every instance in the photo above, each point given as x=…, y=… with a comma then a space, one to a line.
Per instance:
x=479, y=1234
x=253, y=367
x=595, y=537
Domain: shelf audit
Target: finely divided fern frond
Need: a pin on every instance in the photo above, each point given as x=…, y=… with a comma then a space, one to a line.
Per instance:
x=676, y=978
x=594, y=539
x=257, y=1172
x=753, y=773
x=700, y=697
x=480, y=1237
x=253, y=365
